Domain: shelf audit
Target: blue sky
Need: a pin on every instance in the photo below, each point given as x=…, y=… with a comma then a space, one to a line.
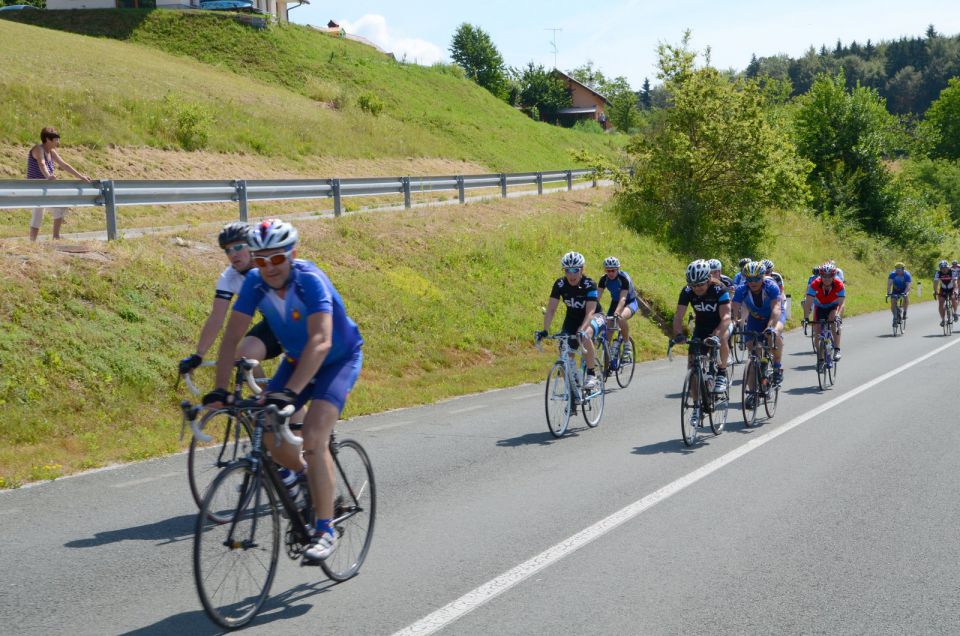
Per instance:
x=621, y=36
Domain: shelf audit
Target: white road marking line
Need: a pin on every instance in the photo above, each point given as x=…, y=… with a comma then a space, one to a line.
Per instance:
x=476, y=407
x=145, y=480
x=477, y=597
x=383, y=427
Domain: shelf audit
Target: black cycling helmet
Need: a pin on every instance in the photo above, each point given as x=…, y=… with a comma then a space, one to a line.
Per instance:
x=236, y=232
x=743, y=262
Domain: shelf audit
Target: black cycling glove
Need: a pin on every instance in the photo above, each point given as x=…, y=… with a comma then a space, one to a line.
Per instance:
x=217, y=395
x=281, y=398
x=190, y=363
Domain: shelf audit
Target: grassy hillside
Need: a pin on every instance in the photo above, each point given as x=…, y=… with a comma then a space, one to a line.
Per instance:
x=447, y=299
x=197, y=80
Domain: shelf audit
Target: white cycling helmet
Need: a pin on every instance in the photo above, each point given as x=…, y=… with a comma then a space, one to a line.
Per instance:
x=272, y=233
x=610, y=262
x=572, y=259
x=715, y=265
x=767, y=264
x=943, y=264
x=698, y=272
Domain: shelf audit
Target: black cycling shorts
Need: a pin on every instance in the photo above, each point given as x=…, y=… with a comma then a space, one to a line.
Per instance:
x=262, y=332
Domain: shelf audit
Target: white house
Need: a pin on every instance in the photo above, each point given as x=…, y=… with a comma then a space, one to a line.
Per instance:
x=276, y=8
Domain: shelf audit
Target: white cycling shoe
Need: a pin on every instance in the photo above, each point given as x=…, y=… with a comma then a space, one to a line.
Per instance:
x=592, y=383
x=323, y=546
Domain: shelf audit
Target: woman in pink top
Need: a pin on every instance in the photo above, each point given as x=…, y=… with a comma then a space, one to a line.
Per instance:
x=40, y=165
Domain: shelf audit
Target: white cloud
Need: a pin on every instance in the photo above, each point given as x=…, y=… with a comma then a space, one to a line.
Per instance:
x=374, y=27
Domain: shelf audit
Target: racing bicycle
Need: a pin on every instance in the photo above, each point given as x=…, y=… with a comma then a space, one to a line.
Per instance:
x=899, y=314
x=700, y=380
x=565, y=390
x=758, y=383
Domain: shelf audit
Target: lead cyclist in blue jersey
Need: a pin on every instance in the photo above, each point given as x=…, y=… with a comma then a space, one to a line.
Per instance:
x=898, y=284
x=322, y=358
x=760, y=296
x=623, y=297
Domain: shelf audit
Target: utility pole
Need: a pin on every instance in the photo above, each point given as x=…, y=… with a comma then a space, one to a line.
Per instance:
x=553, y=43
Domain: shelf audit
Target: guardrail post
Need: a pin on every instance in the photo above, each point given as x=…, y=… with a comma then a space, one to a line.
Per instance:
x=633, y=172
x=503, y=185
x=594, y=178
x=110, y=204
x=337, y=207
x=461, y=194
x=569, y=180
x=539, y=183
x=241, y=186
x=406, y=192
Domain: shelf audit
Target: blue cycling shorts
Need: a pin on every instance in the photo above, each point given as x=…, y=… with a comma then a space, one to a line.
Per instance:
x=331, y=384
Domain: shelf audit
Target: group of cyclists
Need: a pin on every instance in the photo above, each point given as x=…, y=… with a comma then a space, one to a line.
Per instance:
x=305, y=324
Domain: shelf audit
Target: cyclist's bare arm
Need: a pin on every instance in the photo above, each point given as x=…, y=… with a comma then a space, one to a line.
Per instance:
x=678, y=319
x=548, y=314
x=212, y=326
x=591, y=309
x=721, y=330
x=621, y=304
x=319, y=341
x=236, y=326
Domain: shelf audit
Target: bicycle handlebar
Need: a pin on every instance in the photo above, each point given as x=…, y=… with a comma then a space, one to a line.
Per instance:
x=284, y=414
x=248, y=366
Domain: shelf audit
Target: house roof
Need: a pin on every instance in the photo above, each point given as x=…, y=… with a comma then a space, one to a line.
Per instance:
x=589, y=110
x=582, y=85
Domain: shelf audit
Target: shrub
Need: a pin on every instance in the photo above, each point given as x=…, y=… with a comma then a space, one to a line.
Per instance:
x=370, y=103
x=591, y=126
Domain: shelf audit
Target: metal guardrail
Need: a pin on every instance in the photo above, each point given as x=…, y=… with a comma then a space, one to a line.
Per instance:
x=110, y=194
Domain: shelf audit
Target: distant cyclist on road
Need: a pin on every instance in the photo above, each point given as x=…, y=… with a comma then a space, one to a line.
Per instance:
x=259, y=343
x=579, y=293
x=738, y=277
x=828, y=296
x=899, y=283
x=323, y=357
x=711, y=308
x=944, y=290
x=760, y=297
x=623, y=297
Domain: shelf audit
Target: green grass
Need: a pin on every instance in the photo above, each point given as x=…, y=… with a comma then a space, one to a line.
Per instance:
x=190, y=80
x=447, y=300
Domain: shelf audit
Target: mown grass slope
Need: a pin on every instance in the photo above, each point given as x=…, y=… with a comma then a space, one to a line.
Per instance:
x=447, y=299
x=192, y=80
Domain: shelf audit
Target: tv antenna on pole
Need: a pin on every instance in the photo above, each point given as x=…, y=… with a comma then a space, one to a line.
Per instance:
x=553, y=43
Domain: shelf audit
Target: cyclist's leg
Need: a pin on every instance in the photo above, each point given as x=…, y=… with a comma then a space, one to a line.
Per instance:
x=589, y=351
x=625, y=315
x=940, y=305
x=835, y=328
x=906, y=302
x=286, y=455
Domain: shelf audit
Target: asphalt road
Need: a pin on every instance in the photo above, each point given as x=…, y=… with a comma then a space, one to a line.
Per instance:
x=840, y=515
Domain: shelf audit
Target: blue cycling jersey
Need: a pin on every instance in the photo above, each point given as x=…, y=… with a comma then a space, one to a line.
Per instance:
x=769, y=296
x=738, y=279
x=309, y=291
x=617, y=285
x=900, y=281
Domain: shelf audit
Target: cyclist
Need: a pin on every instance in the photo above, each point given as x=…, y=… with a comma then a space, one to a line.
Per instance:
x=323, y=357
x=827, y=295
x=839, y=272
x=579, y=293
x=805, y=304
x=717, y=275
x=738, y=277
x=259, y=343
x=623, y=297
x=711, y=306
x=944, y=289
x=898, y=284
x=955, y=268
x=760, y=296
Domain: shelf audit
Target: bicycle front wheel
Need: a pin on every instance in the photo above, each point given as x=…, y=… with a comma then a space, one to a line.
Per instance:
x=559, y=400
x=770, y=399
x=737, y=347
x=689, y=407
x=750, y=396
x=627, y=364
x=205, y=460
x=592, y=406
x=822, y=380
x=234, y=562
x=721, y=404
x=354, y=511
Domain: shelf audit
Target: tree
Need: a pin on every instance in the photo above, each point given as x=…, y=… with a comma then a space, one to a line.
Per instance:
x=589, y=76
x=706, y=173
x=846, y=135
x=646, y=101
x=542, y=90
x=474, y=51
x=902, y=90
x=942, y=123
x=753, y=68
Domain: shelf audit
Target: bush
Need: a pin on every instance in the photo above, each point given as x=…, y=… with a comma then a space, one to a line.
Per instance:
x=370, y=103
x=591, y=126
x=185, y=123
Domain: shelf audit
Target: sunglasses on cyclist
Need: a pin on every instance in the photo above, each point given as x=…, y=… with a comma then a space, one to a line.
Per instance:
x=754, y=279
x=231, y=249
x=826, y=275
x=612, y=270
x=571, y=270
x=274, y=259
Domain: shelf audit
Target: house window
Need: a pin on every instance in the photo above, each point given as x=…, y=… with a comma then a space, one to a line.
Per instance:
x=136, y=4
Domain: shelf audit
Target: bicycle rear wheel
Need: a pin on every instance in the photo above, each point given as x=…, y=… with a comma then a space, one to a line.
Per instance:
x=750, y=396
x=627, y=364
x=689, y=407
x=205, y=460
x=832, y=368
x=354, y=511
x=822, y=379
x=737, y=347
x=721, y=405
x=903, y=319
x=559, y=400
x=234, y=562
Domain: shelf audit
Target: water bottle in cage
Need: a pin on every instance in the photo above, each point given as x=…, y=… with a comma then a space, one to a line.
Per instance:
x=292, y=483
